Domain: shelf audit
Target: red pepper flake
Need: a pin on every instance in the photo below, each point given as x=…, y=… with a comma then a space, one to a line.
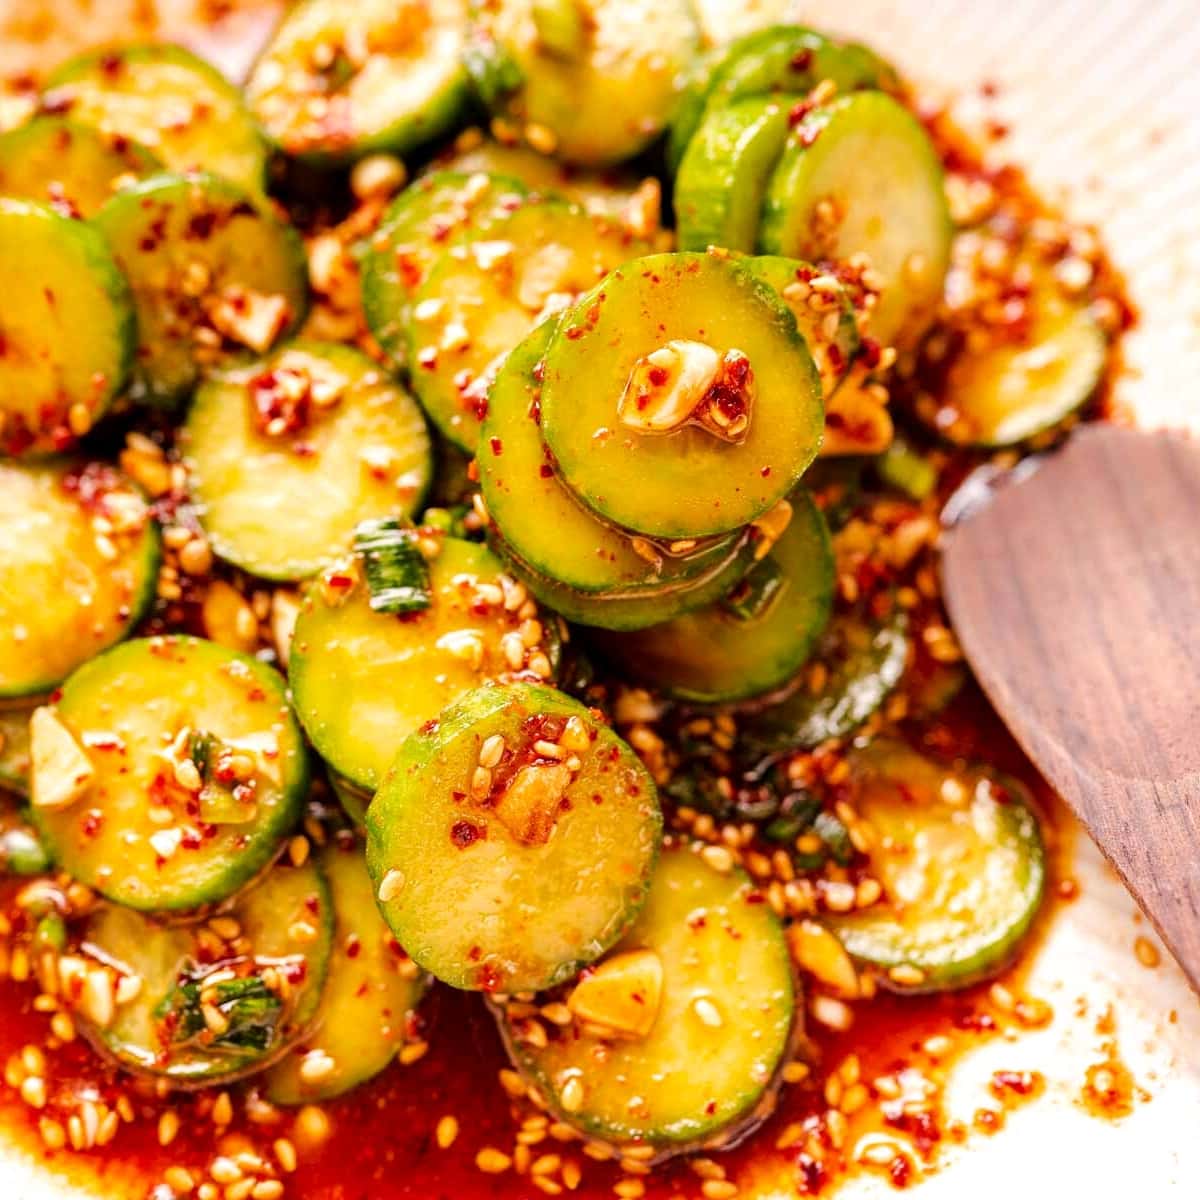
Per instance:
x=466, y=833
x=497, y=446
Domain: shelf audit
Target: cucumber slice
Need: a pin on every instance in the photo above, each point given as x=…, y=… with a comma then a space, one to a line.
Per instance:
x=824, y=316
x=55, y=160
x=707, y=975
x=288, y=454
x=689, y=482
x=368, y=1007
x=1014, y=388
x=861, y=176
x=513, y=877
x=730, y=652
x=601, y=80
x=485, y=294
x=722, y=179
x=142, y=833
x=67, y=589
x=960, y=856
x=407, y=667
x=265, y=982
x=436, y=211
x=579, y=566
x=67, y=330
x=602, y=193
x=211, y=272
x=782, y=58
x=176, y=105
x=339, y=80
x=14, y=748
x=865, y=660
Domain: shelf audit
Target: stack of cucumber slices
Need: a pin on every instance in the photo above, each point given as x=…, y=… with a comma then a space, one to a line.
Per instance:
x=564, y=472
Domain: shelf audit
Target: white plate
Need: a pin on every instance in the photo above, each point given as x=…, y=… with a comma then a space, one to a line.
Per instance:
x=1103, y=101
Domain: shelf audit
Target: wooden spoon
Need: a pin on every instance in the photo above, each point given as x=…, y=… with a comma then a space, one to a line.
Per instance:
x=1075, y=593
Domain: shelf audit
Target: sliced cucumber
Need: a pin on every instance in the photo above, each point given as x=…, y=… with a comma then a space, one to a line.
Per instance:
x=339, y=80
x=14, y=748
x=1017, y=386
x=145, y=830
x=288, y=454
x=59, y=161
x=173, y=103
x=67, y=330
x=435, y=212
x=211, y=272
x=701, y=1000
x=861, y=176
x=79, y=557
x=485, y=294
x=405, y=668
x=600, y=385
x=368, y=1007
x=864, y=660
x=602, y=193
x=209, y=1009
x=574, y=562
x=599, y=81
x=754, y=639
x=960, y=856
x=722, y=179
x=353, y=799
x=824, y=316
x=512, y=877
x=782, y=58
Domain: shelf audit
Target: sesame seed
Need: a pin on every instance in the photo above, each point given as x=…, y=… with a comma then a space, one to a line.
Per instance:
x=719, y=858
x=224, y=1170
x=572, y=1095
x=492, y=1161
x=492, y=750
x=312, y=1125
x=718, y=1189
x=1147, y=953
x=316, y=1066
x=906, y=975
x=630, y=1189
x=168, y=1127
x=33, y=1091
x=412, y=1052
x=267, y=1189
x=391, y=886
x=446, y=1132
x=53, y=1135
x=179, y=1180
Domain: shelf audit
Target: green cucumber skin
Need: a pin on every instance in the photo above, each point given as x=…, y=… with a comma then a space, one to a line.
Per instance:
x=722, y=180
x=781, y=58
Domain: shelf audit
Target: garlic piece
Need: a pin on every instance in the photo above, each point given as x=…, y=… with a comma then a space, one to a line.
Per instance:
x=621, y=994
x=667, y=386
x=528, y=808
x=61, y=773
x=823, y=956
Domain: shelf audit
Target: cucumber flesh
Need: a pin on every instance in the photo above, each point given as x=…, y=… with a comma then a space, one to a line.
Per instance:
x=860, y=175
x=783, y=58
x=353, y=799
x=515, y=879
x=288, y=454
x=212, y=274
x=488, y=292
x=67, y=591
x=581, y=567
x=405, y=668
x=705, y=1072
x=368, y=1006
x=54, y=160
x=67, y=331
x=285, y=927
x=176, y=105
x=14, y=748
x=602, y=193
x=865, y=661
x=1014, y=388
x=604, y=102
x=434, y=212
x=824, y=316
x=339, y=81
x=722, y=180
x=142, y=833
x=960, y=856
x=687, y=482
x=713, y=655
